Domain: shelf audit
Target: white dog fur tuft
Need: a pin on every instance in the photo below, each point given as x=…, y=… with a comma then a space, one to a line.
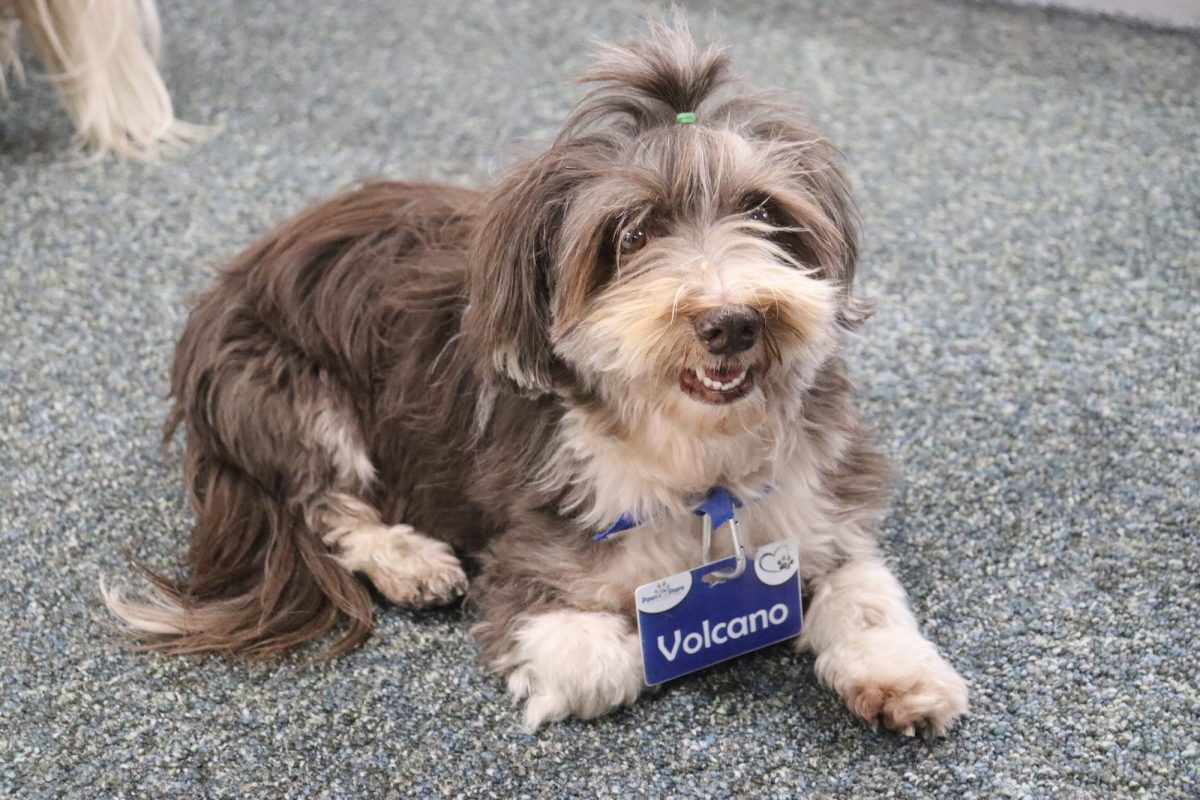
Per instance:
x=100, y=54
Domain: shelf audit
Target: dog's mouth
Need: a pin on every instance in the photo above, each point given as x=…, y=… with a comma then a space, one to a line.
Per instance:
x=717, y=385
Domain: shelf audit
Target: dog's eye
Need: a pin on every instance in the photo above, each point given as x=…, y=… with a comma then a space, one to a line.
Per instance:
x=761, y=214
x=633, y=240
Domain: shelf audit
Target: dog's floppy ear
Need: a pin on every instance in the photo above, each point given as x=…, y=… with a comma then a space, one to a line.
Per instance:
x=817, y=196
x=831, y=188
x=507, y=322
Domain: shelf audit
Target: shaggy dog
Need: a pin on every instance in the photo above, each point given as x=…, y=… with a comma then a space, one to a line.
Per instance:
x=648, y=309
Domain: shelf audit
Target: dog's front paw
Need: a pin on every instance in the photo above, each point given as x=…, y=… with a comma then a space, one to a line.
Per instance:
x=897, y=679
x=572, y=664
x=409, y=568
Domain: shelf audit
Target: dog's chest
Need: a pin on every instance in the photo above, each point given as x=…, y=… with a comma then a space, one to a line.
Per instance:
x=656, y=475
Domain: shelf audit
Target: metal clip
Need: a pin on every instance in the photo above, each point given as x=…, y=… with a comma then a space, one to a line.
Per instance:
x=739, y=552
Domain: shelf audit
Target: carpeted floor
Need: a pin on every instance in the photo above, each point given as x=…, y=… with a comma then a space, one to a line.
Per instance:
x=1031, y=188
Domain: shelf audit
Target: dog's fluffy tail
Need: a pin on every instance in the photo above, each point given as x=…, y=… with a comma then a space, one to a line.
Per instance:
x=101, y=56
x=260, y=581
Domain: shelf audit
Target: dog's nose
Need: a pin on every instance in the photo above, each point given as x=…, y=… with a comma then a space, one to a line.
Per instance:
x=728, y=330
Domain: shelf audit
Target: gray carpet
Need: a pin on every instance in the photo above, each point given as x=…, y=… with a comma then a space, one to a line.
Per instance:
x=1031, y=187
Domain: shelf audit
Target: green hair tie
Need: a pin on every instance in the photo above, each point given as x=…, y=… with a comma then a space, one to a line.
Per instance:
x=686, y=117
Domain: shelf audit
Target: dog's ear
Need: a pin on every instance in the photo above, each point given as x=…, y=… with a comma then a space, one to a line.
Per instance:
x=816, y=195
x=507, y=322
x=831, y=190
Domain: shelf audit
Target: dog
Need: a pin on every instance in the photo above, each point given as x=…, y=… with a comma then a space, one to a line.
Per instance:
x=411, y=373
x=101, y=57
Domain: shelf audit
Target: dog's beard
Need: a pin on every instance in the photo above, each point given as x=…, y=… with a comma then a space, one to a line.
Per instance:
x=637, y=348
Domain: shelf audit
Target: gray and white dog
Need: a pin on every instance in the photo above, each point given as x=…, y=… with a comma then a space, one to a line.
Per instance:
x=650, y=308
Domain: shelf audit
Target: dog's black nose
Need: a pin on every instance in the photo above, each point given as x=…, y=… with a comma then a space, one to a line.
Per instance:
x=728, y=330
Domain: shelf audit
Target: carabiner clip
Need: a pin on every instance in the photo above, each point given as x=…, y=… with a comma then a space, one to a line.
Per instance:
x=739, y=551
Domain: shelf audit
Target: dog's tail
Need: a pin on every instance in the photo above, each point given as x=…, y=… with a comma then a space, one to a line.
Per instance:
x=260, y=580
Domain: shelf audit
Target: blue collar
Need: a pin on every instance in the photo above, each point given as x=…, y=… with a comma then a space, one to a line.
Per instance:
x=719, y=504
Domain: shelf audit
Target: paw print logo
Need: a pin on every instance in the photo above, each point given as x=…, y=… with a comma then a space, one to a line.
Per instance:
x=777, y=560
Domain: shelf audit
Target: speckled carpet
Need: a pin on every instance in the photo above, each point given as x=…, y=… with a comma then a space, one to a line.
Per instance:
x=1031, y=189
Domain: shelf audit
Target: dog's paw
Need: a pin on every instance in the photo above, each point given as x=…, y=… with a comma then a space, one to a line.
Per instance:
x=929, y=704
x=572, y=664
x=897, y=681
x=409, y=568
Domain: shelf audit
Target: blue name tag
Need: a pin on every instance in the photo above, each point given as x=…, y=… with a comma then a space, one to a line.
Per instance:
x=687, y=623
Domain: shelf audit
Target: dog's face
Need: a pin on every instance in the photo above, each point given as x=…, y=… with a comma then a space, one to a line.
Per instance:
x=697, y=269
x=703, y=292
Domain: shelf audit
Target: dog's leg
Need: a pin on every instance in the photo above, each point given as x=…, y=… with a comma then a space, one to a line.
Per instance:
x=567, y=663
x=330, y=473
x=409, y=568
x=565, y=649
x=871, y=652
x=279, y=470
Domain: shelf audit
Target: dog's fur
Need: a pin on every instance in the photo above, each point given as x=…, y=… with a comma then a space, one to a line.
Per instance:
x=409, y=371
x=101, y=56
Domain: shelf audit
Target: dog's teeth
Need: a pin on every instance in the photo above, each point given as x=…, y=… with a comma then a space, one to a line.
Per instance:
x=718, y=386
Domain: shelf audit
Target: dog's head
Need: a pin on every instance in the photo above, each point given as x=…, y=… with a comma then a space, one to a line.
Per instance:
x=679, y=247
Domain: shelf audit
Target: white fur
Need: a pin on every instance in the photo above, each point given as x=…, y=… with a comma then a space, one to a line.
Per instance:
x=781, y=502
x=336, y=432
x=572, y=663
x=10, y=58
x=100, y=55
x=871, y=652
x=408, y=567
x=673, y=451
x=151, y=611
x=508, y=362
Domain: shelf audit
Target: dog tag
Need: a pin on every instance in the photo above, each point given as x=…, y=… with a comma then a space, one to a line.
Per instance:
x=687, y=623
